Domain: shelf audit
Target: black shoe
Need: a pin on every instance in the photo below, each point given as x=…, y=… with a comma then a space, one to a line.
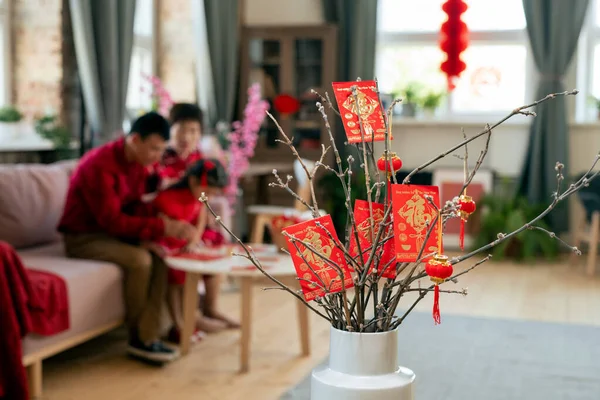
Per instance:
x=156, y=351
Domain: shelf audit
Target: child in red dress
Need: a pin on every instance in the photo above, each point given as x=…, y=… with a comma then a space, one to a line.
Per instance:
x=180, y=201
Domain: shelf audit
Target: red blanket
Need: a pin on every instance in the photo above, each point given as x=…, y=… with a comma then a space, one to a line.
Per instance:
x=30, y=301
x=51, y=313
x=15, y=295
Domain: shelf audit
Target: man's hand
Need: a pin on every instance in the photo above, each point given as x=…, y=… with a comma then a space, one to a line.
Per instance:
x=179, y=229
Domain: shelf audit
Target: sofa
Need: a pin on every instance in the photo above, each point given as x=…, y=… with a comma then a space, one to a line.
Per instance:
x=32, y=197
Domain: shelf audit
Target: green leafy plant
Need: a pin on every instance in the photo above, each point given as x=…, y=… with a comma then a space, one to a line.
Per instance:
x=432, y=100
x=410, y=93
x=10, y=114
x=48, y=128
x=506, y=214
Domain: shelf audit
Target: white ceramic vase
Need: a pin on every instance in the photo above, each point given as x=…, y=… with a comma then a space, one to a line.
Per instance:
x=362, y=366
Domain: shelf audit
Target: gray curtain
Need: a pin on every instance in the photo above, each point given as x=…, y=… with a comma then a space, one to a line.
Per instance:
x=222, y=33
x=553, y=27
x=357, y=35
x=103, y=36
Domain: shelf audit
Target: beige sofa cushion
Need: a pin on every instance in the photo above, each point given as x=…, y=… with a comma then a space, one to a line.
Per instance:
x=95, y=293
x=32, y=197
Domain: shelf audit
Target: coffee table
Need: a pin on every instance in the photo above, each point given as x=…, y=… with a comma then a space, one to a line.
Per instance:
x=277, y=264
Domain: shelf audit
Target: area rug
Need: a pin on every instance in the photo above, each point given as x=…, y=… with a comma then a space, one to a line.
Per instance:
x=468, y=358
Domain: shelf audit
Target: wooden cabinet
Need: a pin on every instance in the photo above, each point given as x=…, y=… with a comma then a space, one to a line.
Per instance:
x=289, y=60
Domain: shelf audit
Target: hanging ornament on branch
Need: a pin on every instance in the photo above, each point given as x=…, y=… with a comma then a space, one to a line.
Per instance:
x=439, y=269
x=454, y=39
x=467, y=207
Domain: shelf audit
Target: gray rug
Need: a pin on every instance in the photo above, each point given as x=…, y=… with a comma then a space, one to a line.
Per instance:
x=468, y=358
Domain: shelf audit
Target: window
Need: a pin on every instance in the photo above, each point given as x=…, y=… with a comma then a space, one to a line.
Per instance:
x=142, y=58
x=5, y=78
x=588, y=64
x=498, y=58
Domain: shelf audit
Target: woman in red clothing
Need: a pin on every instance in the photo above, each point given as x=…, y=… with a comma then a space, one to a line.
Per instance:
x=180, y=201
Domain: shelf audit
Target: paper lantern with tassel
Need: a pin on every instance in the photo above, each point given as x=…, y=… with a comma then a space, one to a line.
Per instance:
x=439, y=269
x=467, y=207
x=389, y=164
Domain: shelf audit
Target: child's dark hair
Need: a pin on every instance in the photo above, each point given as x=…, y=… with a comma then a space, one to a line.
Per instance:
x=185, y=112
x=209, y=171
x=151, y=123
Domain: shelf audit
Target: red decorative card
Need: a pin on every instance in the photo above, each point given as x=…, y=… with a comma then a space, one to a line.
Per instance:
x=368, y=106
x=413, y=216
x=362, y=217
x=317, y=274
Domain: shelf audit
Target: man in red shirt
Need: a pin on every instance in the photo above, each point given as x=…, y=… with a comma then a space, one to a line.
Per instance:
x=104, y=220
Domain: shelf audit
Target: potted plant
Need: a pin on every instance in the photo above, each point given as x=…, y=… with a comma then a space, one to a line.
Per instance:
x=10, y=122
x=596, y=102
x=410, y=99
x=49, y=128
x=430, y=102
x=358, y=282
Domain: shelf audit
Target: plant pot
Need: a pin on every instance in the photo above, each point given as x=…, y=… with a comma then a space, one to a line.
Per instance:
x=10, y=130
x=429, y=113
x=409, y=109
x=362, y=366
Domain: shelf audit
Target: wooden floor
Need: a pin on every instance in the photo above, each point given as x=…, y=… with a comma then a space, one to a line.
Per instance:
x=99, y=370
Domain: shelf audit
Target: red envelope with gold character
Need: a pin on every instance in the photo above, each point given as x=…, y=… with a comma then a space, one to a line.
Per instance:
x=363, y=224
x=368, y=106
x=413, y=216
x=316, y=273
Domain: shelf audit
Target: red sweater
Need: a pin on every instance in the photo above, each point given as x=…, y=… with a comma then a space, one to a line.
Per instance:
x=104, y=192
x=178, y=204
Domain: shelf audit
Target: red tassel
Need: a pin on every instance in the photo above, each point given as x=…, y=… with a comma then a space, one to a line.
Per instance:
x=462, y=234
x=437, y=319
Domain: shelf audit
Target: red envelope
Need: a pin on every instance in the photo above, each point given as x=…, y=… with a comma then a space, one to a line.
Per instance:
x=363, y=224
x=369, y=107
x=320, y=272
x=411, y=213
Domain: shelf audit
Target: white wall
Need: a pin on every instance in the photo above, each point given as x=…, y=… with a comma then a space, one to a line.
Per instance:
x=418, y=141
x=283, y=12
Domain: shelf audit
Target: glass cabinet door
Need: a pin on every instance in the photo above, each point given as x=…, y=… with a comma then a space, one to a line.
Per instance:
x=308, y=74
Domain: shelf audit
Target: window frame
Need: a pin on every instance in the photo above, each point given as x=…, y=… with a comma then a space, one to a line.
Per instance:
x=588, y=39
x=478, y=37
x=6, y=67
x=148, y=43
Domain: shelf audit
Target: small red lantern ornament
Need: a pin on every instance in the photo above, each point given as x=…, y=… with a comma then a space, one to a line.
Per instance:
x=387, y=164
x=439, y=269
x=467, y=207
x=454, y=39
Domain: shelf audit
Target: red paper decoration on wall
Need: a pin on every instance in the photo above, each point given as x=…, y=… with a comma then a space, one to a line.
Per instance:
x=454, y=39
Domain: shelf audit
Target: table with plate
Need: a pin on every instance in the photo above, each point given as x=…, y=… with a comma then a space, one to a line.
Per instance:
x=220, y=261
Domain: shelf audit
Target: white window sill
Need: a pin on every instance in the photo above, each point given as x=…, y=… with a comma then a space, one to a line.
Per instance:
x=25, y=144
x=466, y=122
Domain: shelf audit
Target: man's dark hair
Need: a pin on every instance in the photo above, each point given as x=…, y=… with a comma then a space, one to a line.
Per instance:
x=181, y=112
x=151, y=123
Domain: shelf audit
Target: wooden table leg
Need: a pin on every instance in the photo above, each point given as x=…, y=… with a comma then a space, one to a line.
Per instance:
x=246, y=319
x=190, y=308
x=303, y=328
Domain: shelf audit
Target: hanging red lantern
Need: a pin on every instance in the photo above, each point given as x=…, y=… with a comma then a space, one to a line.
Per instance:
x=286, y=104
x=454, y=39
x=439, y=269
x=467, y=207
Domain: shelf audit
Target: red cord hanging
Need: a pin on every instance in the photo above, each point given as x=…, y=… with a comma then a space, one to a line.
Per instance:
x=454, y=39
